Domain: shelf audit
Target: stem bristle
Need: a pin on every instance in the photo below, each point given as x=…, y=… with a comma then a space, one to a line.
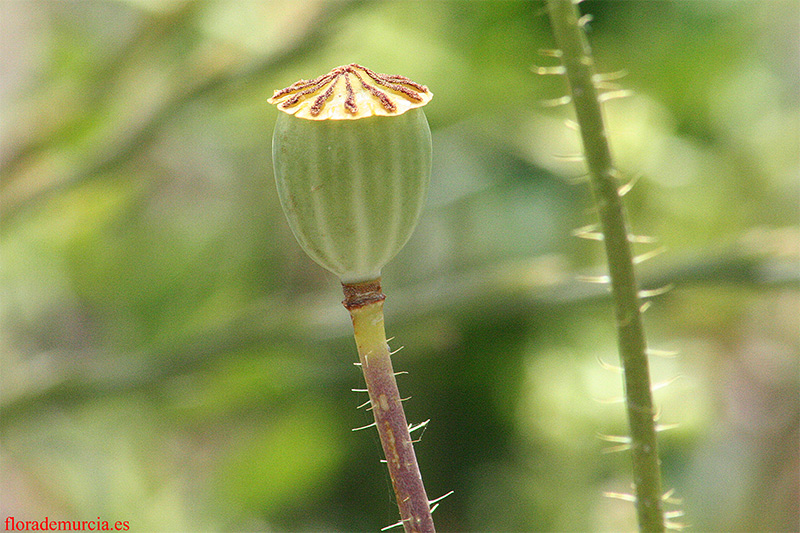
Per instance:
x=614, y=95
x=620, y=496
x=555, y=102
x=364, y=427
x=625, y=189
x=649, y=255
x=609, y=366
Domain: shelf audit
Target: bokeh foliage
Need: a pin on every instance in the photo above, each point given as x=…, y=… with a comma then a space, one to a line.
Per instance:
x=170, y=357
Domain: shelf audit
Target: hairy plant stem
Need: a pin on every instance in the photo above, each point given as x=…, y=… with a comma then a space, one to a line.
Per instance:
x=577, y=59
x=364, y=301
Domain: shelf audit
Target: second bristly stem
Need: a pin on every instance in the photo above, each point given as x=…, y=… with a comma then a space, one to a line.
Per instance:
x=577, y=59
x=364, y=301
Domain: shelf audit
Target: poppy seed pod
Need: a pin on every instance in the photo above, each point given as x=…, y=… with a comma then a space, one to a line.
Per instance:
x=352, y=158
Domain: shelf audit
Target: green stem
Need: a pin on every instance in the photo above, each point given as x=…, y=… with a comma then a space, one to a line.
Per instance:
x=364, y=301
x=577, y=58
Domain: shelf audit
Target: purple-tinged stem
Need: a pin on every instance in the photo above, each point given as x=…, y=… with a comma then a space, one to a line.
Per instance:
x=364, y=301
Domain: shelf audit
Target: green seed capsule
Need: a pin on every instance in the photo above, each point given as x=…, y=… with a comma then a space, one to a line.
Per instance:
x=352, y=160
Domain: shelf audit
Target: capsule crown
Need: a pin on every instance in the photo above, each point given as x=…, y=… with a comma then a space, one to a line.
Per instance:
x=351, y=92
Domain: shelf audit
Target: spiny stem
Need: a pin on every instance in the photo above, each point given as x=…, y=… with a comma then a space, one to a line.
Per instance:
x=577, y=58
x=364, y=301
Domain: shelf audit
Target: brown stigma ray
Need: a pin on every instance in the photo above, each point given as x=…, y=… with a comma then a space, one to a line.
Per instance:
x=380, y=95
x=307, y=86
x=320, y=101
x=350, y=101
x=387, y=81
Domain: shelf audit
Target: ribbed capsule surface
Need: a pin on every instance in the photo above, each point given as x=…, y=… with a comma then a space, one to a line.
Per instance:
x=352, y=159
x=352, y=190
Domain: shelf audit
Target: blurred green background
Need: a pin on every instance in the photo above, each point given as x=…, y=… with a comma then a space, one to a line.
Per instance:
x=171, y=357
